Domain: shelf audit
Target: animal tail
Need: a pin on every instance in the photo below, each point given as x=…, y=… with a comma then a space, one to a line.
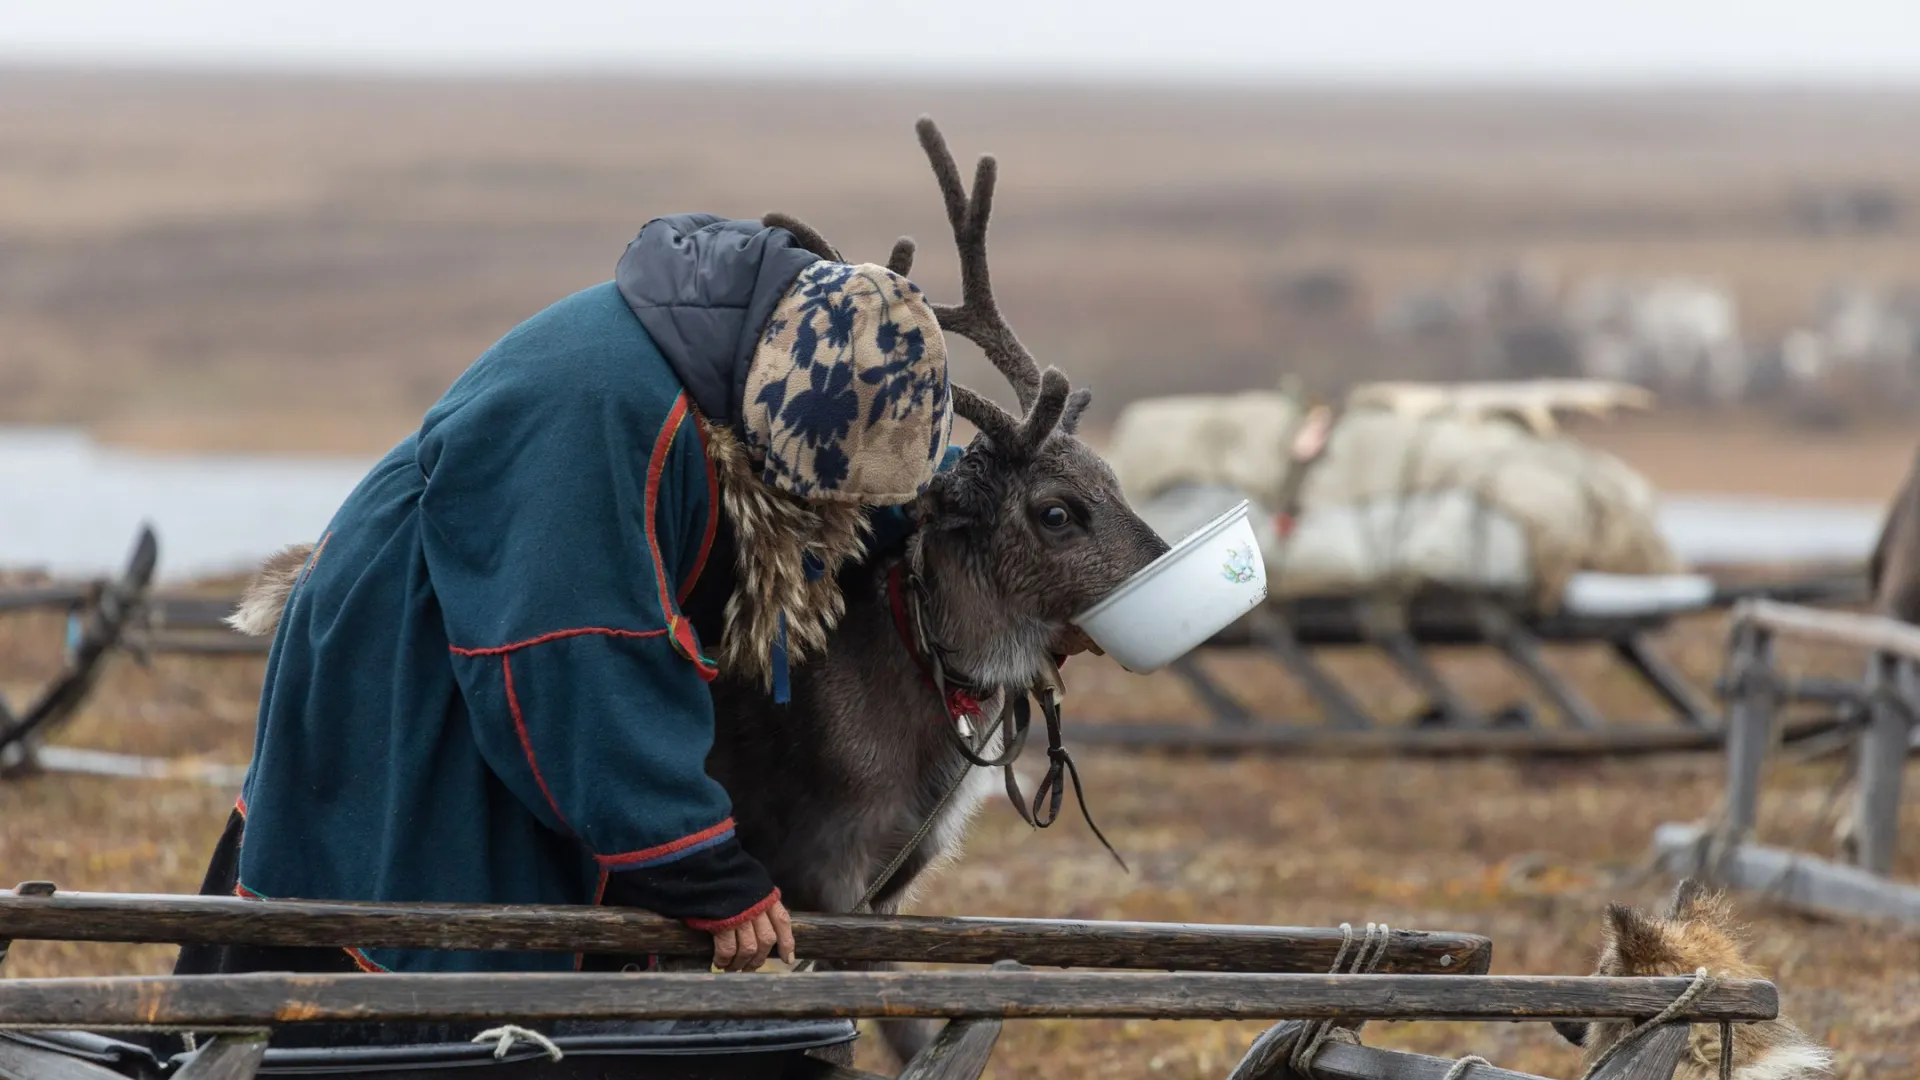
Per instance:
x=258, y=614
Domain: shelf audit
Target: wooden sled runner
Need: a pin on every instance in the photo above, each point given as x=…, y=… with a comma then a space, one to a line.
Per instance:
x=732, y=1027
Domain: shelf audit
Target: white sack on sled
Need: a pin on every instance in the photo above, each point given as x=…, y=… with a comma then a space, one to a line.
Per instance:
x=1397, y=500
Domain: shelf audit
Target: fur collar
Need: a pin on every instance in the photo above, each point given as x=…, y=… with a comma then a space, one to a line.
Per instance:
x=772, y=534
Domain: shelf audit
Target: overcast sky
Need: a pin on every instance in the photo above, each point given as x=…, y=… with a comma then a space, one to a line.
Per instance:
x=1400, y=40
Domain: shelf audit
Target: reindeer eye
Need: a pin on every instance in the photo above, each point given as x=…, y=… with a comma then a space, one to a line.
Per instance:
x=1055, y=517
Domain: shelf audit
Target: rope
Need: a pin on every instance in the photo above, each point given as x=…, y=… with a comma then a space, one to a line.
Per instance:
x=505, y=1037
x=1366, y=960
x=1461, y=1067
x=1702, y=983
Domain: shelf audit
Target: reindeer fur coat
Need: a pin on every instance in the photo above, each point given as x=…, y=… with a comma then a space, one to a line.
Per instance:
x=489, y=682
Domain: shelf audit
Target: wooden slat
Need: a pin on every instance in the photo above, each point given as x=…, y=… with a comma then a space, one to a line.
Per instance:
x=1281, y=737
x=1655, y=1058
x=1881, y=762
x=1342, y=709
x=209, y=920
x=229, y=1057
x=1345, y=1061
x=1874, y=633
x=272, y=999
x=1635, y=651
x=959, y=1052
x=1523, y=651
x=1788, y=877
x=1750, y=732
x=1221, y=705
x=21, y=1062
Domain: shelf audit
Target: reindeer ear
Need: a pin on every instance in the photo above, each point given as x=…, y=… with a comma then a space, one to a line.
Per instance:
x=1077, y=403
x=960, y=497
x=1636, y=939
x=1685, y=903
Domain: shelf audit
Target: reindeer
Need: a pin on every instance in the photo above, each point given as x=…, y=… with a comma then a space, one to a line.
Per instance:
x=865, y=779
x=1697, y=931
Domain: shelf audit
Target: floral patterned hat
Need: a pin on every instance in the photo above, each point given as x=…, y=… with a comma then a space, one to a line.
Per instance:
x=847, y=397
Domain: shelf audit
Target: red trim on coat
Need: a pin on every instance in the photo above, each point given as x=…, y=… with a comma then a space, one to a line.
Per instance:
x=626, y=858
x=716, y=925
x=556, y=635
x=681, y=631
x=713, y=512
x=313, y=559
x=367, y=964
x=526, y=742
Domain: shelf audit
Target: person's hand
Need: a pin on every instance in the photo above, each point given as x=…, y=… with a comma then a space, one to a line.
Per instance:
x=745, y=947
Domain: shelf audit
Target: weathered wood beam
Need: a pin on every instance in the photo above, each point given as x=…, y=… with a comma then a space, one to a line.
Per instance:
x=1221, y=705
x=258, y=1000
x=1750, y=723
x=1343, y=711
x=105, y=620
x=197, y=643
x=959, y=1052
x=18, y=1061
x=1523, y=651
x=1269, y=1058
x=1280, y=737
x=1387, y=629
x=1655, y=1058
x=228, y=1057
x=1346, y=1061
x=1871, y=633
x=1881, y=759
x=1687, y=703
x=210, y=920
x=1789, y=877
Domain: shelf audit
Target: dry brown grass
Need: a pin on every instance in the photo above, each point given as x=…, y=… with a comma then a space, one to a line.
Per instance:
x=1527, y=853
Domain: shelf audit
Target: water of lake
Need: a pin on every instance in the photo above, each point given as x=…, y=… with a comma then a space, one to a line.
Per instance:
x=73, y=508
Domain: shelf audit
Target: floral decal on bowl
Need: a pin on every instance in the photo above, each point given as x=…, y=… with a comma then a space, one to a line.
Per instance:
x=1239, y=566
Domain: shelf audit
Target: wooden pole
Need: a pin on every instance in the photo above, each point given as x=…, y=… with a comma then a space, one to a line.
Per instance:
x=213, y=920
x=1868, y=633
x=212, y=1002
x=1750, y=729
x=1882, y=759
x=1280, y=737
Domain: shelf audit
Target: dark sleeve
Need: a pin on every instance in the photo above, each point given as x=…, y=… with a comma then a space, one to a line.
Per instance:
x=558, y=565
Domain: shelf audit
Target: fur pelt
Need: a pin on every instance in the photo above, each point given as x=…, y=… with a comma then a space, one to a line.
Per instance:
x=258, y=613
x=1698, y=931
x=772, y=534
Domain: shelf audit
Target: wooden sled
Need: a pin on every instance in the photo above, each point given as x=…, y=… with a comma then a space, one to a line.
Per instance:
x=84, y=1029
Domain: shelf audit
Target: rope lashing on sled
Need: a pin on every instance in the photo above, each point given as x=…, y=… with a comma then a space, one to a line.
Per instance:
x=1297, y=1046
x=506, y=1036
x=1702, y=983
x=1460, y=1068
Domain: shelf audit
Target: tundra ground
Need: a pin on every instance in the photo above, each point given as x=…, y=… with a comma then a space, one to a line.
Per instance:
x=1528, y=853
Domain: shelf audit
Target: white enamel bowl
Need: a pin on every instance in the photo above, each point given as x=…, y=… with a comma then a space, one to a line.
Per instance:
x=1194, y=591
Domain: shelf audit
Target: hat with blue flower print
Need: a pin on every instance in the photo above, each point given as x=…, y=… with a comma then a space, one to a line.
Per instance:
x=847, y=397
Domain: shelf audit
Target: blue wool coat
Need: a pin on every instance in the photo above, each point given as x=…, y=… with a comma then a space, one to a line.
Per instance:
x=490, y=682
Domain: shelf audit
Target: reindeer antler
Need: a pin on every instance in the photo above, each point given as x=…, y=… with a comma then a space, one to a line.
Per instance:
x=808, y=236
x=1045, y=397
x=977, y=317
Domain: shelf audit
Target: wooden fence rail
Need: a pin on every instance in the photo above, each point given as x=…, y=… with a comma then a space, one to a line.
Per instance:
x=201, y=920
x=1891, y=699
x=265, y=1000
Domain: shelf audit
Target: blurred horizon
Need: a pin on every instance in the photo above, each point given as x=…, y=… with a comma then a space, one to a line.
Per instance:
x=1360, y=42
